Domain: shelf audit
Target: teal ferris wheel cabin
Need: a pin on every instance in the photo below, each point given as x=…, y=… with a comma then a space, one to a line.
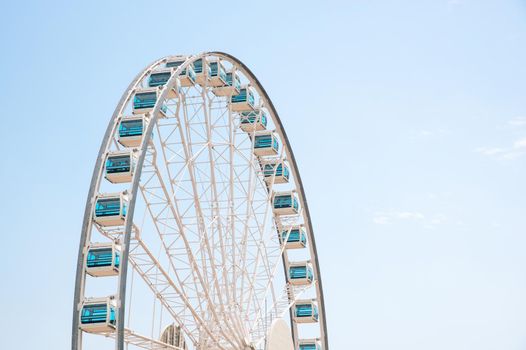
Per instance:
x=110, y=209
x=232, y=86
x=266, y=143
x=244, y=101
x=294, y=237
x=103, y=259
x=253, y=121
x=187, y=75
x=98, y=315
x=301, y=273
x=306, y=311
x=285, y=203
x=131, y=129
x=275, y=172
x=120, y=166
x=144, y=101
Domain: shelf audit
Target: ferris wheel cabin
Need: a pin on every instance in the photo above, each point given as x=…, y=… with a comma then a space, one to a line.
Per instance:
x=253, y=121
x=217, y=74
x=266, y=144
x=144, y=101
x=159, y=78
x=187, y=76
x=309, y=344
x=233, y=84
x=131, y=130
x=294, y=237
x=305, y=311
x=202, y=71
x=98, y=315
x=285, y=203
x=120, y=166
x=244, y=101
x=300, y=273
x=103, y=259
x=276, y=172
x=110, y=209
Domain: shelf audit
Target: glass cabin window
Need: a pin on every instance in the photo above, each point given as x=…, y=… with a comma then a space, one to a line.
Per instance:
x=158, y=79
x=214, y=67
x=130, y=128
x=269, y=170
x=145, y=100
x=198, y=66
x=294, y=235
x=241, y=97
x=100, y=257
x=118, y=164
x=266, y=141
x=177, y=64
x=108, y=207
x=94, y=313
x=237, y=81
x=112, y=315
x=174, y=64
x=251, y=99
x=304, y=310
x=252, y=117
x=285, y=201
x=298, y=272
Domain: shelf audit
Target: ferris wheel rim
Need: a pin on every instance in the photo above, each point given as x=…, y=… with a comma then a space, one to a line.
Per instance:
x=96, y=178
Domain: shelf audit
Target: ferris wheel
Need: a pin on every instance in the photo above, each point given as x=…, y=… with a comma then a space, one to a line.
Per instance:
x=196, y=232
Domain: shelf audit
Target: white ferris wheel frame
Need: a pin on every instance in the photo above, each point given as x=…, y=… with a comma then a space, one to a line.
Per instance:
x=136, y=252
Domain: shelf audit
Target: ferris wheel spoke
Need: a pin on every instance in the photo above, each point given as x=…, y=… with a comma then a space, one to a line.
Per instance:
x=248, y=215
x=205, y=246
x=159, y=281
x=259, y=242
x=166, y=226
x=196, y=292
x=215, y=201
x=188, y=250
x=257, y=291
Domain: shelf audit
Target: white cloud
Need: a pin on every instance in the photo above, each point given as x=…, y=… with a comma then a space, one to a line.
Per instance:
x=384, y=218
x=394, y=216
x=518, y=149
x=381, y=220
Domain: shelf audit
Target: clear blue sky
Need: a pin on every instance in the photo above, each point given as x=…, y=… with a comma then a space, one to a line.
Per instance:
x=408, y=120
